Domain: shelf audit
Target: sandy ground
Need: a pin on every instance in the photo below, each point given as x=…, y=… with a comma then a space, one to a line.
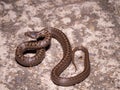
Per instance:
x=94, y=24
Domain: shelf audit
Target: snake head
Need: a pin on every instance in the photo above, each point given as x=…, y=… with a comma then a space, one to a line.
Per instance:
x=32, y=34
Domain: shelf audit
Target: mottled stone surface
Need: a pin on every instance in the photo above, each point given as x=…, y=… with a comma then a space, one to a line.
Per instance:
x=92, y=23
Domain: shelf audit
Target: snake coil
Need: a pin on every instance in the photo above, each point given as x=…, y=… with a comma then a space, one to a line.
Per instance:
x=68, y=55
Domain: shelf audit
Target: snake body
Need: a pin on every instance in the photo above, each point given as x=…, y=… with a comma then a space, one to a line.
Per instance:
x=68, y=55
x=33, y=45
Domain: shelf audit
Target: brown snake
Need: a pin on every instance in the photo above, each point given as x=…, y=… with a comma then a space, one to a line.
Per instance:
x=68, y=55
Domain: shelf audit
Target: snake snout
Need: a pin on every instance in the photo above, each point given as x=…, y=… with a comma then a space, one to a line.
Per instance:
x=33, y=35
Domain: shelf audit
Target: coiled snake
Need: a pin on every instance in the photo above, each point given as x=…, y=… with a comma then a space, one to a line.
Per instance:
x=68, y=55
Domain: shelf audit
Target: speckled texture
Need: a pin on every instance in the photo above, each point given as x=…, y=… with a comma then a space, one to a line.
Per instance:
x=92, y=23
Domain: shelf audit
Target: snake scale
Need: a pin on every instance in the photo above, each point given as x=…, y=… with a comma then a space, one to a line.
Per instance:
x=68, y=55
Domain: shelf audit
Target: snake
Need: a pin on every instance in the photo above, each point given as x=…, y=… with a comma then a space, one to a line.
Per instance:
x=68, y=55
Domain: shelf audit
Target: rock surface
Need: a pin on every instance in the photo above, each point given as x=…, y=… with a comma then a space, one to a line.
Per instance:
x=94, y=24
